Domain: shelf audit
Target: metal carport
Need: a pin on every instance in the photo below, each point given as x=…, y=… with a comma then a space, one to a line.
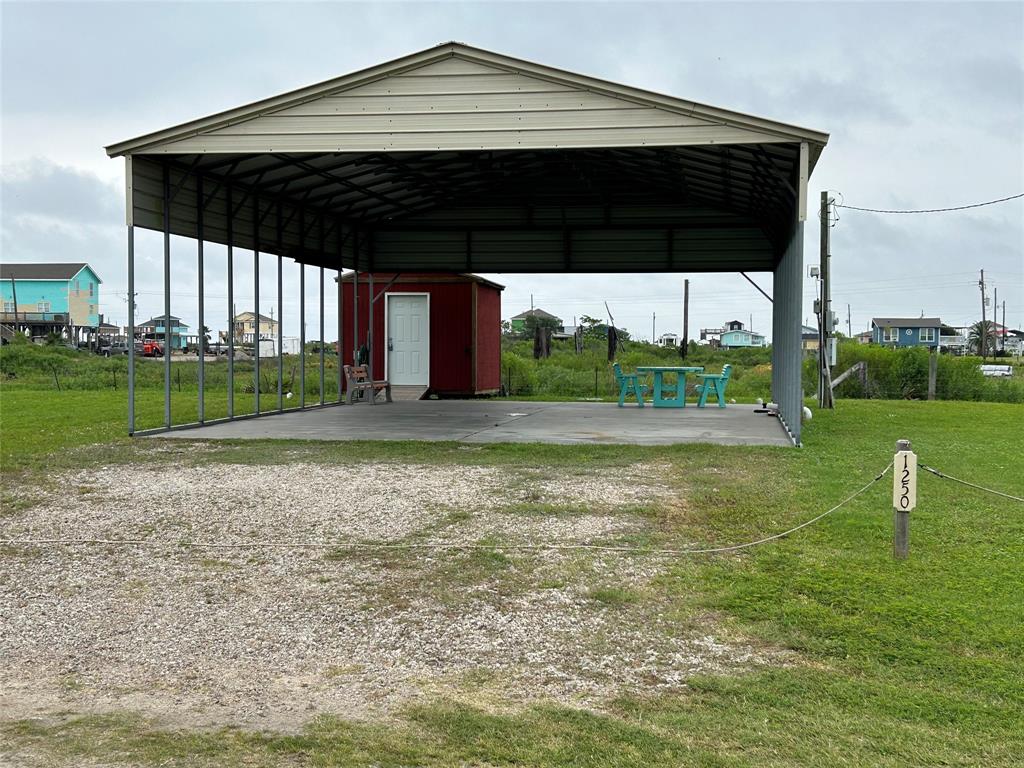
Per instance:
x=460, y=159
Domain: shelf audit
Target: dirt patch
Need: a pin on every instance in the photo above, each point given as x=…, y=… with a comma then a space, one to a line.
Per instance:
x=269, y=637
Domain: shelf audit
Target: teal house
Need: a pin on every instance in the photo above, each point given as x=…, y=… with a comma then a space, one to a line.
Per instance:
x=734, y=336
x=906, y=331
x=41, y=298
x=154, y=329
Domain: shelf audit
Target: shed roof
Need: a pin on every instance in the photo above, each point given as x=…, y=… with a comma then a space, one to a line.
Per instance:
x=41, y=270
x=906, y=322
x=383, y=278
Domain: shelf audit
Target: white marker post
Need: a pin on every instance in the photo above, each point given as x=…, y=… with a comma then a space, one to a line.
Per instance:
x=904, y=497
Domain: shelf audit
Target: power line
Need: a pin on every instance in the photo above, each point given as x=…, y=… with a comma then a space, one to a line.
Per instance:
x=931, y=210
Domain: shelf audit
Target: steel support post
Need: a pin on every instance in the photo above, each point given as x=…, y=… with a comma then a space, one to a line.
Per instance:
x=355, y=298
x=280, y=314
x=302, y=312
x=202, y=291
x=231, y=304
x=369, y=334
x=131, y=329
x=323, y=248
x=167, y=296
x=341, y=312
x=256, y=299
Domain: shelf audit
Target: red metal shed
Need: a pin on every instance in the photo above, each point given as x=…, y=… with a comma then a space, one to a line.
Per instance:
x=440, y=331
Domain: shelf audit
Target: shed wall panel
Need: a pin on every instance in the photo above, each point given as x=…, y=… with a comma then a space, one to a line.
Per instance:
x=488, y=335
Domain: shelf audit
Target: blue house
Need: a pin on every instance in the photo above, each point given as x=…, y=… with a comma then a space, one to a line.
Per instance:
x=39, y=298
x=734, y=336
x=906, y=331
x=154, y=329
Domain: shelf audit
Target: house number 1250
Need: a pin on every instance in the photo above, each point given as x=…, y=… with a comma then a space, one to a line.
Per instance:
x=904, y=481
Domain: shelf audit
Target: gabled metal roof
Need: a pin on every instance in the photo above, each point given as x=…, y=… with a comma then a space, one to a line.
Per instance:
x=486, y=100
x=457, y=159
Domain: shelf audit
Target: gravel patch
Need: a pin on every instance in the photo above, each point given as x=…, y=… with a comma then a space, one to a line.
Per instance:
x=268, y=638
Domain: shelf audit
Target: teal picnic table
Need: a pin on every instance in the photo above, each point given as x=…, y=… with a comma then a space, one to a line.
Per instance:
x=665, y=394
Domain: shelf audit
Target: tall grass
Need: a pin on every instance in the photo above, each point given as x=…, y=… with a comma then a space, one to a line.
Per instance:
x=900, y=374
x=28, y=366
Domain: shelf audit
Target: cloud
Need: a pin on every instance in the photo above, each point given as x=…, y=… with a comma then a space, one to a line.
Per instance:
x=924, y=103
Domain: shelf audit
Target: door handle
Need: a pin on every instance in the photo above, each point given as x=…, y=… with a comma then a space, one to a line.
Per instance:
x=391, y=346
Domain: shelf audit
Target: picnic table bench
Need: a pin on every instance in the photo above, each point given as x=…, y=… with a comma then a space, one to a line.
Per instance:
x=359, y=386
x=714, y=383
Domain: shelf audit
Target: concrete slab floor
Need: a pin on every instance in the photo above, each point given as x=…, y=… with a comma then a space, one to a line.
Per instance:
x=509, y=421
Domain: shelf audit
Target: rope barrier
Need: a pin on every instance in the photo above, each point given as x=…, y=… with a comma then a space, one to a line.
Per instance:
x=441, y=546
x=944, y=476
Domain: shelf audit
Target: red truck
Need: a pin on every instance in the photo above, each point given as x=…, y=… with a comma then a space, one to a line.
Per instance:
x=149, y=349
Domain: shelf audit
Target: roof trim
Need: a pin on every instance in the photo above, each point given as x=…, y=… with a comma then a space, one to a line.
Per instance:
x=782, y=131
x=419, y=277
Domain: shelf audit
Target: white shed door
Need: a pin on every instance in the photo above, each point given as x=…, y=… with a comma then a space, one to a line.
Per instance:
x=408, y=340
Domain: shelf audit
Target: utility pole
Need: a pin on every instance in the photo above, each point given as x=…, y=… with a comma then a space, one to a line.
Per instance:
x=685, y=346
x=653, y=327
x=14, y=295
x=824, y=347
x=984, y=324
x=1002, y=336
x=995, y=322
x=849, y=325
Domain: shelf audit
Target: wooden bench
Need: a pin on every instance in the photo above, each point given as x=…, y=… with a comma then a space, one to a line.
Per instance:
x=358, y=385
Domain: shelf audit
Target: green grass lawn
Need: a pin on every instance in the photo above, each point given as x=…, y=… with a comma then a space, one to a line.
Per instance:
x=919, y=662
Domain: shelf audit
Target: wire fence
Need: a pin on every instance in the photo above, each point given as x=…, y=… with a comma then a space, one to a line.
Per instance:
x=342, y=546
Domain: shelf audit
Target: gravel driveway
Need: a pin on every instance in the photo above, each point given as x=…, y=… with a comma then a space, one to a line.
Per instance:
x=269, y=637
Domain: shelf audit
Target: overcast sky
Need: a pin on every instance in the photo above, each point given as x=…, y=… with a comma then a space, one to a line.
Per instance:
x=924, y=103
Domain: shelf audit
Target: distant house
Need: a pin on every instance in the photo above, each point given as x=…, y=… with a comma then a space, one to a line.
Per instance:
x=668, y=340
x=154, y=329
x=1013, y=341
x=109, y=332
x=245, y=327
x=711, y=337
x=809, y=340
x=735, y=336
x=518, y=322
x=41, y=298
x=864, y=337
x=906, y=331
